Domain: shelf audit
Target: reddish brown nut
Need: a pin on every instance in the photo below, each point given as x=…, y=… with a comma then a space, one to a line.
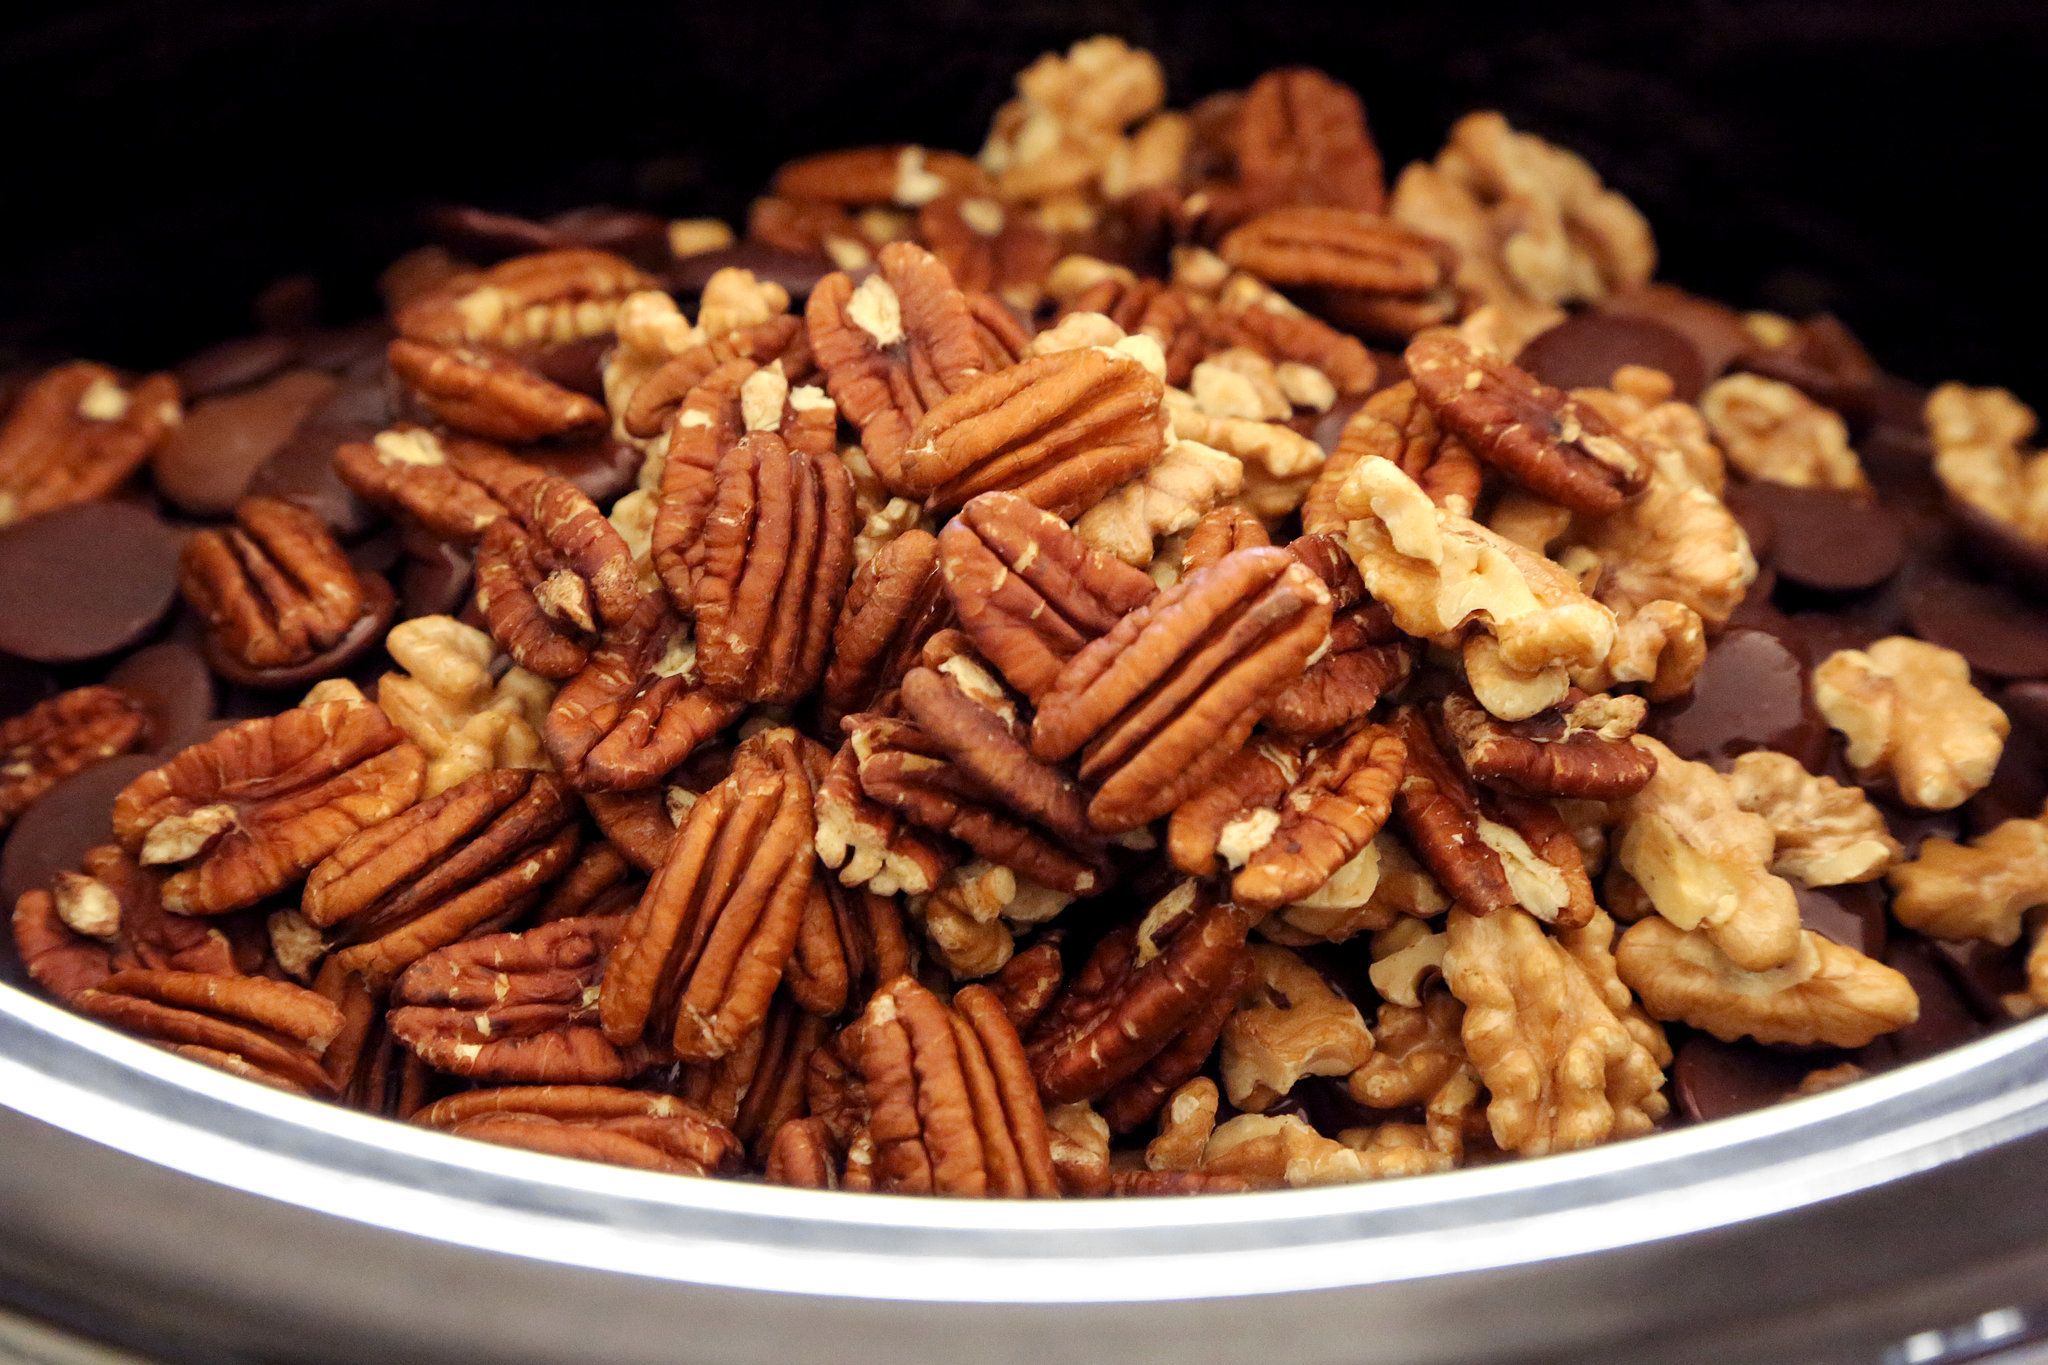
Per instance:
x=1060, y=430
x=707, y=945
x=895, y=602
x=278, y=594
x=895, y=173
x=706, y=426
x=1252, y=779
x=250, y=811
x=951, y=1108
x=1220, y=532
x=266, y=1030
x=76, y=433
x=463, y=863
x=1395, y=424
x=893, y=348
x=800, y=1154
x=1315, y=246
x=851, y=938
x=487, y=395
x=1301, y=139
x=638, y=709
x=1149, y=306
x=988, y=249
x=1578, y=748
x=1368, y=658
x=107, y=918
x=1274, y=328
x=452, y=486
x=657, y=401
x=1158, y=704
x=636, y=1128
x=769, y=570
x=1031, y=593
x=1142, y=987
x=546, y=299
x=550, y=576
x=636, y=823
x=906, y=770
x=1137, y=1100
x=1556, y=446
x=516, y=1008
x=1026, y=984
x=759, y=1086
x=868, y=844
x=600, y=882
x=53, y=739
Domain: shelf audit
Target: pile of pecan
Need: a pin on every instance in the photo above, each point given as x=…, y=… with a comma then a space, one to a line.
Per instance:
x=1146, y=660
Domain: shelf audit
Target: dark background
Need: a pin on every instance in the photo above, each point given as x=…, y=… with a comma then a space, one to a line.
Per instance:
x=1875, y=157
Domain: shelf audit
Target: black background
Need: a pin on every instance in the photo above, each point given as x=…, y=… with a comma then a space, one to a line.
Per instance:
x=1876, y=157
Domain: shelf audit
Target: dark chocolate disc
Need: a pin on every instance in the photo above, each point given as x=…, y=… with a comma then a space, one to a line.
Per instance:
x=1750, y=694
x=434, y=581
x=234, y=364
x=1823, y=539
x=84, y=580
x=71, y=817
x=796, y=271
x=1715, y=329
x=602, y=469
x=175, y=687
x=575, y=365
x=1715, y=1080
x=1990, y=625
x=1852, y=916
x=23, y=684
x=1585, y=350
x=207, y=463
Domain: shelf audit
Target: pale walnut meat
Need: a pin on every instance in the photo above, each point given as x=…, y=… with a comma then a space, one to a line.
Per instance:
x=1279, y=464
x=1185, y=1122
x=1704, y=862
x=1270, y=1152
x=53, y=739
x=516, y=1009
x=465, y=862
x=897, y=599
x=1909, y=711
x=452, y=702
x=1550, y=442
x=769, y=570
x=651, y=333
x=452, y=486
x=1979, y=890
x=250, y=811
x=1437, y=572
x=703, y=952
x=1247, y=312
x=1373, y=273
x=1158, y=704
x=1417, y=1050
x=1406, y=957
x=76, y=433
x=1593, y=947
x=1300, y=138
x=1124, y=1022
x=488, y=394
x=529, y=302
x=893, y=348
x=1398, y=426
x=950, y=1104
x=868, y=844
x=1532, y=224
x=105, y=918
x=250, y=1026
x=1186, y=483
x=551, y=576
x=1060, y=430
x=1661, y=644
x=1827, y=994
x=1578, y=749
x=1029, y=592
x=277, y=591
x=639, y=1129
x=1774, y=433
x=964, y=931
x=1061, y=135
x=1288, y=1023
x=1563, y=1070
x=1981, y=458
x=1827, y=834
x=1379, y=886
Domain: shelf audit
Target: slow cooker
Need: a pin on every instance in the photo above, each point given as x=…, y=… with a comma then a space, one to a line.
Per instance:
x=1862, y=157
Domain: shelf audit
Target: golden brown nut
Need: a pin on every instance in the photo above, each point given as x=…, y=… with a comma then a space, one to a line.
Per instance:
x=77, y=433
x=270, y=1031
x=447, y=702
x=1417, y=1049
x=1908, y=709
x=551, y=576
x=53, y=739
x=277, y=590
x=1979, y=890
x=1980, y=457
x=105, y=918
x=1827, y=834
x=636, y=1128
x=1288, y=1024
x=1774, y=433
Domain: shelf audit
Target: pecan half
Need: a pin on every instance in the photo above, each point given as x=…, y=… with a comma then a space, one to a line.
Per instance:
x=869, y=844
x=951, y=1104
x=250, y=811
x=1368, y=657
x=769, y=570
x=851, y=938
x=456, y=865
x=278, y=592
x=1301, y=138
x=452, y=486
x=1579, y=748
x=1545, y=439
x=800, y=1154
x=53, y=739
x=895, y=602
x=1029, y=592
x=760, y=1085
x=1060, y=430
x=1140, y=990
x=1158, y=704
x=638, y=709
x=270, y=1031
x=106, y=918
x=636, y=1128
x=893, y=348
x=517, y=1008
x=1395, y=424
x=548, y=298
x=1370, y=273
x=1027, y=983
x=709, y=941
x=76, y=433
x=489, y=395
x=551, y=575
